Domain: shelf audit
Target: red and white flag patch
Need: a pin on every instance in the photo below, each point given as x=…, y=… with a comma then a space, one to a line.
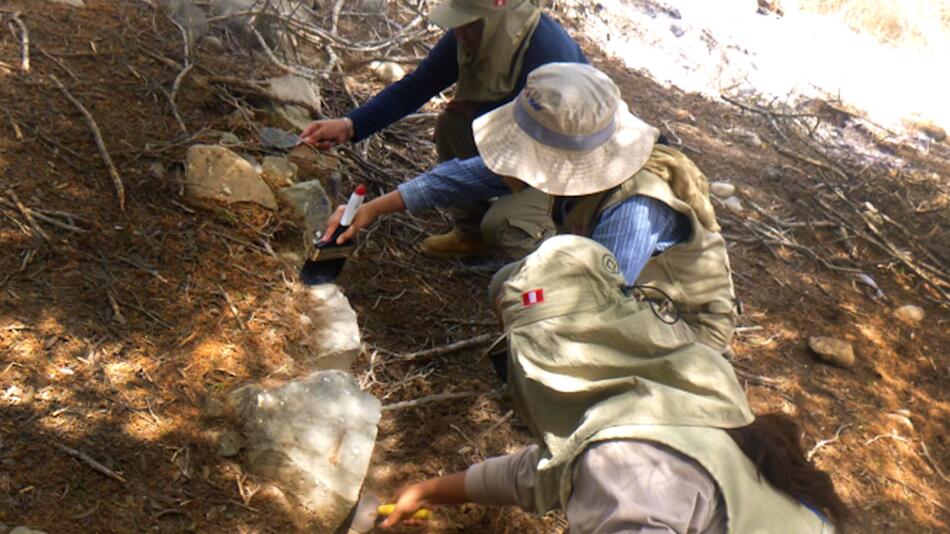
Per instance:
x=530, y=298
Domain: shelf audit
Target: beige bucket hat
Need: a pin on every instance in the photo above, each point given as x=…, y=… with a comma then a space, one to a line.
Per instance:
x=450, y=14
x=567, y=134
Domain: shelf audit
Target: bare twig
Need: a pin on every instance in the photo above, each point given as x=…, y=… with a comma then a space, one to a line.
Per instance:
x=933, y=462
x=89, y=461
x=437, y=398
x=94, y=129
x=25, y=42
x=28, y=214
x=450, y=348
x=233, y=308
x=824, y=442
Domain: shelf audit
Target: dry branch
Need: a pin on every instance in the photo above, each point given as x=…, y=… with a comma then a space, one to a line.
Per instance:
x=94, y=129
x=28, y=214
x=25, y=42
x=89, y=461
x=450, y=348
x=437, y=398
x=824, y=442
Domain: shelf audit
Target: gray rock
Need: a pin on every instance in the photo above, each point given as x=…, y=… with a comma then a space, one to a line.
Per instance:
x=677, y=30
x=286, y=117
x=722, y=189
x=831, y=350
x=212, y=43
x=313, y=438
x=73, y=3
x=217, y=173
x=314, y=165
x=230, y=443
x=278, y=172
x=26, y=530
x=333, y=334
x=910, y=314
x=296, y=88
x=308, y=205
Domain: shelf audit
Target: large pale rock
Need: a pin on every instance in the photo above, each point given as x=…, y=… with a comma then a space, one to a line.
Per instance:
x=332, y=334
x=308, y=205
x=296, y=88
x=387, y=71
x=313, y=438
x=831, y=350
x=217, y=173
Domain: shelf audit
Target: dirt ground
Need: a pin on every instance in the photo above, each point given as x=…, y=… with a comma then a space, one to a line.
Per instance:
x=117, y=326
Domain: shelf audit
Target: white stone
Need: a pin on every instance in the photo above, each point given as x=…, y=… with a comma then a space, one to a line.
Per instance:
x=333, y=336
x=387, y=71
x=26, y=530
x=217, y=173
x=313, y=438
x=733, y=204
x=296, y=88
x=910, y=314
x=722, y=189
x=73, y=3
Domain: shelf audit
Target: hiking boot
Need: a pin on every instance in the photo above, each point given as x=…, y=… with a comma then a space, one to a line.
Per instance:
x=453, y=245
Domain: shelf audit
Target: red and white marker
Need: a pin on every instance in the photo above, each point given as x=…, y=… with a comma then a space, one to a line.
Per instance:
x=356, y=200
x=530, y=298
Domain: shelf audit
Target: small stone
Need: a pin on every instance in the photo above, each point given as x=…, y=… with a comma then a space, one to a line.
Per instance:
x=217, y=173
x=287, y=117
x=73, y=3
x=831, y=350
x=722, y=189
x=278, y=172
x=296, y=88
x=230, y=443
x=212, y=44
x=26, y=530
x=774, y=174
x=214, y=408
x=677, y=30
x=747, y=137
x=733, y=204
x=387, y=71
x=901, y=419
x=307, y=205
x=910, y=314
x=157, y=170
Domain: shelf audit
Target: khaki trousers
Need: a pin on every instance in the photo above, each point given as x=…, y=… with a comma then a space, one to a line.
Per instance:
x=514, y=224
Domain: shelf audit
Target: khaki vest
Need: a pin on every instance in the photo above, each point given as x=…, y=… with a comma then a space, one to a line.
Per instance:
x=695, y=274
x=753, y=506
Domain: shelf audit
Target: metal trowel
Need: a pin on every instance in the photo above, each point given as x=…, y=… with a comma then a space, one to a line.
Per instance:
x=370, y=509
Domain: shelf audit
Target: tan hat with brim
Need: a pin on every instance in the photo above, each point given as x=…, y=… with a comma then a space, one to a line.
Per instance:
x=454, y=13
x=567, y=133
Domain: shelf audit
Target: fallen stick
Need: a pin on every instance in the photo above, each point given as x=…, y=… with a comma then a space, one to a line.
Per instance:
x=25, y=39
x=446, y=349
x=436, y=398
x=96, y=466
x=94, y=128
x=28, y=214
x=45, y=218
x=824, y=442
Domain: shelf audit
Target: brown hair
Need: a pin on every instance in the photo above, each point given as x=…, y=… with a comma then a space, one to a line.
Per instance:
x=773, y=445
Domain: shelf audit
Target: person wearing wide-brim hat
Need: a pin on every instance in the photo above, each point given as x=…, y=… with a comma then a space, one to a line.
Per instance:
x=569, y=135
x=488, y=50
x=638, y=429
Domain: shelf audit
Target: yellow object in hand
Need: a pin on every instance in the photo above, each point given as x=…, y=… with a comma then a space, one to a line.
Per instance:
x=422, y=513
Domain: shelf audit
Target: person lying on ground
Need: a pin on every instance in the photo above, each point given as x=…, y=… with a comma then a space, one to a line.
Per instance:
x=570, y=135
x=487, y=52
x=639, y=428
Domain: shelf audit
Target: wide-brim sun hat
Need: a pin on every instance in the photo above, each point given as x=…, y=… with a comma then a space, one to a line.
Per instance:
x=567, y=133
x=451, y=14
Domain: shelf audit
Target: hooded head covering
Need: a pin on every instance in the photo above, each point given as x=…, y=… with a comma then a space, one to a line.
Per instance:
x=584, y=357
x=491, y=73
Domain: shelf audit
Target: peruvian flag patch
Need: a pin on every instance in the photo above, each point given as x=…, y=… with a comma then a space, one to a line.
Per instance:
x=530, y=298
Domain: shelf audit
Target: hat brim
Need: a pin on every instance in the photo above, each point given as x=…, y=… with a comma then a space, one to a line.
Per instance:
x=448, y=17
x=508, y=150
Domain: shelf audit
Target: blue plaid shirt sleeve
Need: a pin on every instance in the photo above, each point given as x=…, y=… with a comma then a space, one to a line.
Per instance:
x=450, y=183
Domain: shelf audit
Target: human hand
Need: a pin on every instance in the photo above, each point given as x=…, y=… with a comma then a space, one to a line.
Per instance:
x=409, y=500
x=365, y=216
x=327, y=133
